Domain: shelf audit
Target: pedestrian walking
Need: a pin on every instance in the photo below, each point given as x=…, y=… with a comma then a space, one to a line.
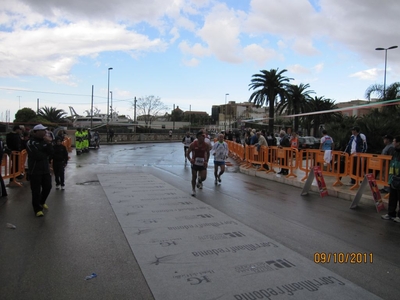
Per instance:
x=39, y=149
x=60, y=161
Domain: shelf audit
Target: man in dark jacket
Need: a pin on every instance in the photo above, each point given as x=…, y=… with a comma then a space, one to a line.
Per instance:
x=39, y=149
x=14, y=143
x=3, y=191
x=60, y=160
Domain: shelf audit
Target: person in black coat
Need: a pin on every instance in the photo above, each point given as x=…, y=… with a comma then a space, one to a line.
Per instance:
x=3, y=191
x=14, y=143
x=60, y=160
x=40, y=150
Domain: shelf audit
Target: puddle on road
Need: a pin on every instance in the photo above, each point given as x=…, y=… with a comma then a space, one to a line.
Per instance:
x=91, y=182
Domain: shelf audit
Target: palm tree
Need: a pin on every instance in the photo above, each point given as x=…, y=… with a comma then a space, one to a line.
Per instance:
x=319, y=104
x=392, y=91
x=297, y=97
x=268, y=86
x=52, y=114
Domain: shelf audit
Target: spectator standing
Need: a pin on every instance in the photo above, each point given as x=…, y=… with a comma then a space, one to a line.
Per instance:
x=394, y=196
x=294, y=140
x=284, y=142
x=39, y=149
x=387, y=150
x=60, y=160
x=112, y=135
x=253, y=138
x=3, y=191
x=14, y=143
x=356, y=144
x=271, y=140
x=326, y=141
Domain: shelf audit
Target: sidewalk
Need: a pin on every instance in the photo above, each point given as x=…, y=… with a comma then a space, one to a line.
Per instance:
x=342, y=192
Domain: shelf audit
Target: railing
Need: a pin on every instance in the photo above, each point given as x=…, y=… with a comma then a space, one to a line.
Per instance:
x=341, y=164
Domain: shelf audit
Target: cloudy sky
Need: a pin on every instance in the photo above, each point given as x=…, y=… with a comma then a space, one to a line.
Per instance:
x=190, y=53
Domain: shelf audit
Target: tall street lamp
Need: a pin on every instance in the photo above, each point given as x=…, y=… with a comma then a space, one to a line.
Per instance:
x=108, y=102
x=384, y=78
x=226, y=95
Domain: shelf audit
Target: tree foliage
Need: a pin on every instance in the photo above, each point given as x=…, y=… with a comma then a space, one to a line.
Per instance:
x=296, y=101
x=149, y=107
x=52, y=114
x=25, y=115
x=268, y=87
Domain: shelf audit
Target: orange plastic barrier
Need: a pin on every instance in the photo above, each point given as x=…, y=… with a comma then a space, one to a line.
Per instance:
x=283, y=158
x=338, y=167
x=8, y=163
x=363, y=163
x=341, y=163
x=67, y=142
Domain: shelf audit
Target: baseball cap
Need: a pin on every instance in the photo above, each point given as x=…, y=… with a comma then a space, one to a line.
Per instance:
x=387, y=136
x=39, y=127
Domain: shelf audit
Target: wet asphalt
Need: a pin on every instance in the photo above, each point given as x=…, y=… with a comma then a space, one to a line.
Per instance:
x=49, y=257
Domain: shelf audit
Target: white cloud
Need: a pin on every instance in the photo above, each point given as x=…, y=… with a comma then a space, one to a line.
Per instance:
x=52, y=52
x=194, y=62
x=259, y=54
x=298, y=69
x=370, y=74
x=221, y=33
x=196, y=50
x=319, y=68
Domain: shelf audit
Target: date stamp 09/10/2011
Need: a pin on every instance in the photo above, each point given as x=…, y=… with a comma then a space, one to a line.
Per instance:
x=343, y=258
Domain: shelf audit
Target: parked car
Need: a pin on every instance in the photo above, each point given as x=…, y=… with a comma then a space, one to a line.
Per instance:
x=306, y=142
x=315, y=140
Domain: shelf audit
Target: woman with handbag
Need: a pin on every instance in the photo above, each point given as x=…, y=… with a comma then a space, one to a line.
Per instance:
x=394, y=182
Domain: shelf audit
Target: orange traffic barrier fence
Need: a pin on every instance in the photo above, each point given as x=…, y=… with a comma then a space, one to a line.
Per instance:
x=13, y=165
x=340, y=165
x=284, y=158
x=364, y=163
x=337, y=167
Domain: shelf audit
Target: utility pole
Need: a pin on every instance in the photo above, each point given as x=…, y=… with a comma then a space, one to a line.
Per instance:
x=134, y=115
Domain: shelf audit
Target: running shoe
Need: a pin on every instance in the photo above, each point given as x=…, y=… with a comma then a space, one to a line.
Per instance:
x=193, y=193
x=397, y=219
x=216, y=181
x=387, y=217
x=63, y=187
x=39, y=214
x=45, y=206
x=57, y=187
x=199, y=184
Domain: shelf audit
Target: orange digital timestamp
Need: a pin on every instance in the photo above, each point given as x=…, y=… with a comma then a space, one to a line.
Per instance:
x=343, y=258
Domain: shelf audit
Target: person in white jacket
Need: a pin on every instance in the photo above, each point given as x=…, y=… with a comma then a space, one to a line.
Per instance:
x=220, y=152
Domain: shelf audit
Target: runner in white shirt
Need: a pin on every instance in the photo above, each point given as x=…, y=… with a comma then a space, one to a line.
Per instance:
x=186, y=141
x=220, y=151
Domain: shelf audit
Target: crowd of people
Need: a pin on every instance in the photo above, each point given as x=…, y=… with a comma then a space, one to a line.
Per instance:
x=198, y=153
x=45, y=149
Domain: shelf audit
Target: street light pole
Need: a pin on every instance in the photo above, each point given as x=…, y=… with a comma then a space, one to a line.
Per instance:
x=111, y=106
x=384, y=76
x=225, y=112
x=108, y=102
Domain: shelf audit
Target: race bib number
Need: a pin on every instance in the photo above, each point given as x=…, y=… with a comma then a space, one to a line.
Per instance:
x=199, y=161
